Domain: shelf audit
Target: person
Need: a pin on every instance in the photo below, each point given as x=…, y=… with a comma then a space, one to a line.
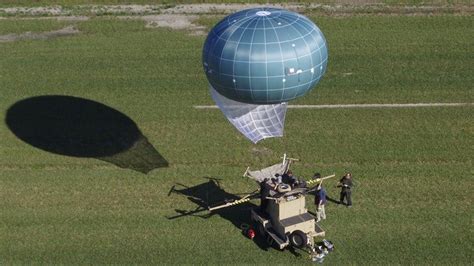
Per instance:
x=346, y=184
x=320, y=202
x=277, y=178
x=275, y=182
x=316, y=176
x=289, y=179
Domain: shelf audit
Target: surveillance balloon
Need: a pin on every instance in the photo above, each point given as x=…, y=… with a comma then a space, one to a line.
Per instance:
x=256, y=60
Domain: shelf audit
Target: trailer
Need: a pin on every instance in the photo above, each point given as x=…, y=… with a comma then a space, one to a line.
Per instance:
x=285, y=221
x=282, y=218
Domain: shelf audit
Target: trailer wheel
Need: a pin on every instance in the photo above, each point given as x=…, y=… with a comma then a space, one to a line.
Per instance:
x=298, y=239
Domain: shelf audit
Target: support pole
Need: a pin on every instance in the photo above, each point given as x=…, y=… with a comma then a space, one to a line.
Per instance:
x=228, y=204
x=319, y=180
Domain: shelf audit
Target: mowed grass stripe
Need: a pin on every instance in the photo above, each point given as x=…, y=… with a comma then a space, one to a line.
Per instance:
x=373, y=105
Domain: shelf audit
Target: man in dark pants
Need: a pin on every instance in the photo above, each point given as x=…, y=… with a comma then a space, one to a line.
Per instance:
x=320, y=201
x=346, y=184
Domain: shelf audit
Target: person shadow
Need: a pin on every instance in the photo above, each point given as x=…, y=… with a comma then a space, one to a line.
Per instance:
x=333, y=200
x=210, y=194
x=83, y=128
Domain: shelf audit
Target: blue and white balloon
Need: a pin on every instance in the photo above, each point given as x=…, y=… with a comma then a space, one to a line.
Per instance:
x=256, y=60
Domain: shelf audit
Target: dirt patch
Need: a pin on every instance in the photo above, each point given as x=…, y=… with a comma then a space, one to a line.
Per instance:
x=67, y=31
x=124, y=9
x=175, y=21
x=221, y=8
x=72, y=18
x=34, y=11
x=58, y=18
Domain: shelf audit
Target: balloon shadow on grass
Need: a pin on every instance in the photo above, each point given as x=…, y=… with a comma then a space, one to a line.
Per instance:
x=83, y=128
x=211, y=194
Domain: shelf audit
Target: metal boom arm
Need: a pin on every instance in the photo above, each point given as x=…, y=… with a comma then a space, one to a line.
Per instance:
x=319, y=180
x=233, y=203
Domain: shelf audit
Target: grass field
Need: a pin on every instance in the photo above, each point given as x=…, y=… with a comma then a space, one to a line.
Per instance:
x=102, y=204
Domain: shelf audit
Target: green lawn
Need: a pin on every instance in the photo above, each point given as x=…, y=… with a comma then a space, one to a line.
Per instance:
x=412, y=167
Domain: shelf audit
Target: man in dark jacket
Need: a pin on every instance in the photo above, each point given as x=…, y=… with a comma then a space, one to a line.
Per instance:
x=346, y=184
x=289, y=178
